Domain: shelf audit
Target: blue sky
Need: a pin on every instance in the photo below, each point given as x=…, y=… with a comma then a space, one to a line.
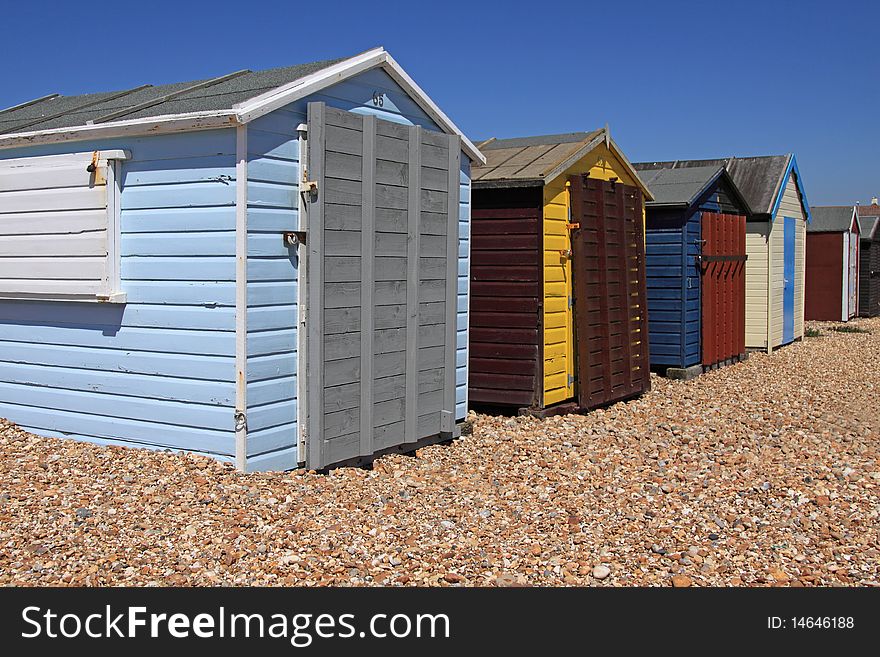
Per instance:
x=673, y=79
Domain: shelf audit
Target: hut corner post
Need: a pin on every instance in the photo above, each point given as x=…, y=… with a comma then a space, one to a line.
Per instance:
x=241, y=298
x=453, y=201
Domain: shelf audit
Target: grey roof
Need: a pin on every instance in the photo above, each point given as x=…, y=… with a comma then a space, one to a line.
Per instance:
x=758, y=178
x=56, y=111
x=869, y=227
x=528, y=159
x=831, y=219
x=678, y=186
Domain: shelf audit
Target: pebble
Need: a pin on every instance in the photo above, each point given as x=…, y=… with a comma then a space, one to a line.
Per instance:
x=778, y=461
x=601, y=572
x=681, y=581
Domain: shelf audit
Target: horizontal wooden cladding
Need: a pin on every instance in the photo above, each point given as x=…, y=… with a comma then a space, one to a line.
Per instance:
x=504, y=366
x=610, y=291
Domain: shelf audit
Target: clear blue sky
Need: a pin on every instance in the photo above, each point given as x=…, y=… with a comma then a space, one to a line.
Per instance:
x=673, y=79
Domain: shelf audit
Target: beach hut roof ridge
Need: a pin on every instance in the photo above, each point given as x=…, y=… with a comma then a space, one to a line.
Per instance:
x=221, y=102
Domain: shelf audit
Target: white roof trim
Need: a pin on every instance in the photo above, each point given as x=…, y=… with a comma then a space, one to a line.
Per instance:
x=378, y=57
x=153, y=125
x=254, y=108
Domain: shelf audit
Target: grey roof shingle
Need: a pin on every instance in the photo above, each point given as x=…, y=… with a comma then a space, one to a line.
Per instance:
x=678, y=186
x=758, y=178
x=228, y=90
x=831, y=219
x=528, y=158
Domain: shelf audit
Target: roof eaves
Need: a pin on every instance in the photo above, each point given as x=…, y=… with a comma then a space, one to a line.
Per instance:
x=500, y=183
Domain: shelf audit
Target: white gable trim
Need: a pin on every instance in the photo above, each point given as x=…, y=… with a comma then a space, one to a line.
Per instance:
x=253, y=108
x=256, y=107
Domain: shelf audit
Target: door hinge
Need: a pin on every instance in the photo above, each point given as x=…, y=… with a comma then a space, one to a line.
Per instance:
x=570, y=379
x=570, y=301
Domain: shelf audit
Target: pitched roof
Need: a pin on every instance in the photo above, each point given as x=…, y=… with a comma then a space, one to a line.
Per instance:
x=759, y=179
x=869, y=227
x=684, y=187
x=530, y=158
x=224, y=101
x=218, y=93
x=831, y=218
x=523, y=161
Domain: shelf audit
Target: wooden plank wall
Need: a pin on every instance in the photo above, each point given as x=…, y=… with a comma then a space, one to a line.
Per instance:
x=272, y=209
x=380, y=277
x=274, y=170
x=558, y=320
x=824, y=273
x=505, y=350
x=159, y=370
x=666, y=265
x=723, y=286
x=757, y=285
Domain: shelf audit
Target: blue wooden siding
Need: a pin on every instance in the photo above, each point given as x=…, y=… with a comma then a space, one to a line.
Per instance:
x=159, y=370
x=273, y=175
x=673, y=239
x=664, y=250
x=273, y=183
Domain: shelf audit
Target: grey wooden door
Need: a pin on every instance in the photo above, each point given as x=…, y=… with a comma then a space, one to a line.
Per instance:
x=381, y=284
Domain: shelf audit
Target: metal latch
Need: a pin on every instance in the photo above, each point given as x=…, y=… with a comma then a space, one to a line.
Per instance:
x=308, y=187
x=572, y=226
x=293, y=238
x=564, y=253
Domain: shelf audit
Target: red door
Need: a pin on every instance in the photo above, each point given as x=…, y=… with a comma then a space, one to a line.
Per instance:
x=723, y=304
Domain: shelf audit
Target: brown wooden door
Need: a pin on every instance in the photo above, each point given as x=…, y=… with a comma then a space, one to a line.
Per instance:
x=723, y=286
x=611, y=321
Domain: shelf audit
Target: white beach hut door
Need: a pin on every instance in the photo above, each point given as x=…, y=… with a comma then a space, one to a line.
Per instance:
x=382, y=276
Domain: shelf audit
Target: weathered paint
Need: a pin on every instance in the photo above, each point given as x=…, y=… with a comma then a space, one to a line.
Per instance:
x=558, y=312
x=273, y=272
x=159, y=371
